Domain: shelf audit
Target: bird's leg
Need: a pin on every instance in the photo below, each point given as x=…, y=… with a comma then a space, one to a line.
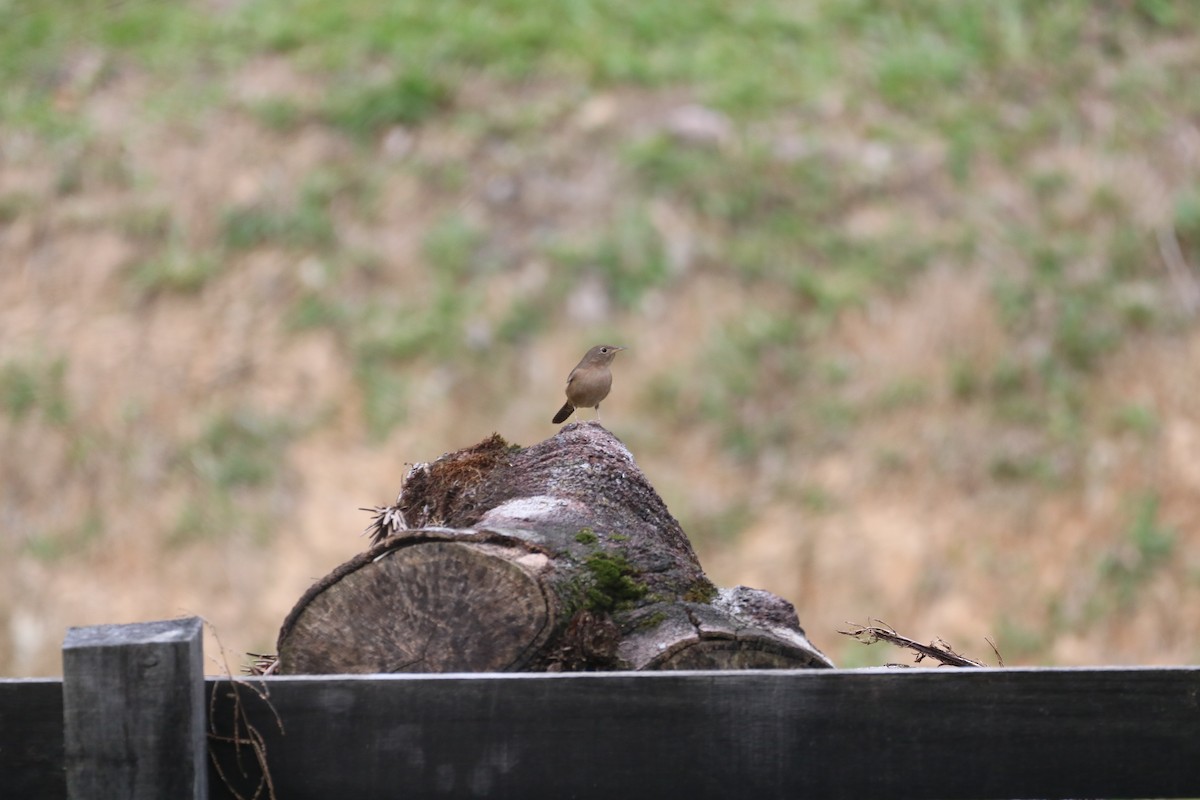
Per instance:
x=597, y=412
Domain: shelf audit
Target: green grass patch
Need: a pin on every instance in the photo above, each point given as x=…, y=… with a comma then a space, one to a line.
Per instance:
x=526, y=317
x=215, y=517
x=175, y=269
x=54, y=53
x=628, y=256
x=391, y=333
x=35, y=385
x=1018, y=642
x=151, y=225
x=900, y=394
x=1136, y=419
x=811, y=92
x=386, y=334
x=239, y=449
x=1147, y=546
x=407, y=99
x=279, y=114
x=316, y=310
x=308, y=223
x=233, y=467
x=736, y=56
x=742, y=381
x=452, y=247
x=385, y=391
x=53, y=546
x=307, y=226
x=15, y=204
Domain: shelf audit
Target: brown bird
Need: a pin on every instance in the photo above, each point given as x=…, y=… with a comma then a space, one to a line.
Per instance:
x=590, y=381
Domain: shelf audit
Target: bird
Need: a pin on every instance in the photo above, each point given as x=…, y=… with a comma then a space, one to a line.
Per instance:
x=589, y=382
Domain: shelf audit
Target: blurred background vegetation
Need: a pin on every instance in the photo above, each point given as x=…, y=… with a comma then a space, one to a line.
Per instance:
x=909, y=289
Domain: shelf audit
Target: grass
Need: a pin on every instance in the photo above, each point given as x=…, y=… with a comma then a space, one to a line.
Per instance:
x=33, y=386
x=408, y=98
x=1146, y=547
x=652, y=44
x=53, y=546
x=279, y=114
x=233, y=467
x=1019, y=643
x=386, y=340
x=776, y=221
x=736, y=383
x=385, y=393
x=748, y=59
x=1135, y=419
x=249, y=226
x=175, y=269
x=239, y=449
x=307, y=225
x=452, y=248
x=627, y=256
x=41, y=44
x=948, y=127
x=396, y=333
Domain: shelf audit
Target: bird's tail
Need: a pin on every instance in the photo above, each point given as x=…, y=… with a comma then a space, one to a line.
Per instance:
x=563, y=413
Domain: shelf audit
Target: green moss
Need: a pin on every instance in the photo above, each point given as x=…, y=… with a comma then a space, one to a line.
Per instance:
x=702, y=591
x=586, y=536
x=652, y=620
x=612, y=584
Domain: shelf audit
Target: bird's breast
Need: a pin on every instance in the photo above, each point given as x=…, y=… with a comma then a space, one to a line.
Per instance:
x=588, y=387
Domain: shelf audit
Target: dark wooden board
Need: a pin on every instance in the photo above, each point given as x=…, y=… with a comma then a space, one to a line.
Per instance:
x=1002, y=733
x=31, y=739
x=134, y=712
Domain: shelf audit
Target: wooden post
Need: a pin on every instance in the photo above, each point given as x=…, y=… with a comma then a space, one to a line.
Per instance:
x=133, y=711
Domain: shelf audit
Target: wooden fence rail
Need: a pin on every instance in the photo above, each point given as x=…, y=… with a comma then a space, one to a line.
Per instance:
x=124, y=722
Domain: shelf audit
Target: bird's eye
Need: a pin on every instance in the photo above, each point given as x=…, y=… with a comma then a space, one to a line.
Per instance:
x=603, y=349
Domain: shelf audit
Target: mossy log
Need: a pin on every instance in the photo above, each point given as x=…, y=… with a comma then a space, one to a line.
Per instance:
x=559, y=556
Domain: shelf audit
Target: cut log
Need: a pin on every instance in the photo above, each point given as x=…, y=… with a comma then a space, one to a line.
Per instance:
x=559, y=556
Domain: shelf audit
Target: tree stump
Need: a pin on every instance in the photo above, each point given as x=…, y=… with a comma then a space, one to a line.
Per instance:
x=559, y=556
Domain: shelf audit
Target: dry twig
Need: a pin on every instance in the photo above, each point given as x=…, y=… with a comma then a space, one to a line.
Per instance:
x=243, y=734
x=939, y=649
x=263, y=664
x=387, y=520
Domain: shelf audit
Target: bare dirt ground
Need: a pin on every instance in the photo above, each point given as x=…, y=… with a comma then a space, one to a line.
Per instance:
x=901, y=521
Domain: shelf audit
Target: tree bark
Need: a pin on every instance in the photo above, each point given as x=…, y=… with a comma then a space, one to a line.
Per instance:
x=559, y=556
